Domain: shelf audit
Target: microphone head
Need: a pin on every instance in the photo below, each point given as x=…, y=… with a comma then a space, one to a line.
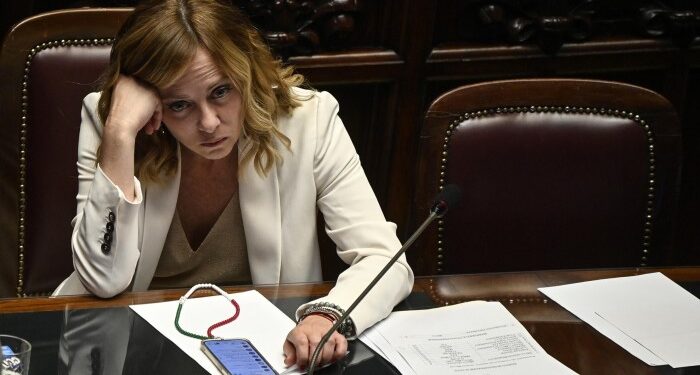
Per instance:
x=449, y=197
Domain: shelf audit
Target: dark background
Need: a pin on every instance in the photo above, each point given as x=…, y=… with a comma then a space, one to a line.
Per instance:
x=387, y=60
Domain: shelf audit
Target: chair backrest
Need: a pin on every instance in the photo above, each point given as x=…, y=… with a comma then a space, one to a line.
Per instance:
x=555, y=174
x=49, y=63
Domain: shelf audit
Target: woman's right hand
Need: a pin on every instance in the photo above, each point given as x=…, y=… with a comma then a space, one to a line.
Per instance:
x=134, y=106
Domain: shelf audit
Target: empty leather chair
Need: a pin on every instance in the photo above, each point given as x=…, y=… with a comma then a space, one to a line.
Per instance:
x=555, y=174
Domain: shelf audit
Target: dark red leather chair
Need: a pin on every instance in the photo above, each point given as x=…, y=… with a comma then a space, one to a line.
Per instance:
x=555, y=174
x=49, y=63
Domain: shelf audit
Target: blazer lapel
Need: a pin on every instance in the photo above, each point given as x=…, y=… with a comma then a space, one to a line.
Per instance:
x=160, y=202
x=260, y=210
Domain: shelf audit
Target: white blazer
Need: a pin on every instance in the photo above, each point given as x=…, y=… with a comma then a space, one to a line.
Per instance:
x=322, y=171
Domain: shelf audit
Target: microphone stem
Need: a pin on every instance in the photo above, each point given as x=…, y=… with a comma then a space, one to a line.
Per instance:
x=406, y=245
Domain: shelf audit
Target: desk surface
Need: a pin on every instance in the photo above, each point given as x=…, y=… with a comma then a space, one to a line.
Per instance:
x=44, y=321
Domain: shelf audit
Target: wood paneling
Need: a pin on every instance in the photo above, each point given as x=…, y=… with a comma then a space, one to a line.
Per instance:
x=387, y=60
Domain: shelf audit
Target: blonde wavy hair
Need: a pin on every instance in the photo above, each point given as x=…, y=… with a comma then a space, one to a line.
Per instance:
x=157, y=43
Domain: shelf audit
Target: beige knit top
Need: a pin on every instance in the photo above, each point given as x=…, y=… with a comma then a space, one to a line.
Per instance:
x=221, y=258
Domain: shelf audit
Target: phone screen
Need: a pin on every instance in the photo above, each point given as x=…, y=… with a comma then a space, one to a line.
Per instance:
x=237, y=357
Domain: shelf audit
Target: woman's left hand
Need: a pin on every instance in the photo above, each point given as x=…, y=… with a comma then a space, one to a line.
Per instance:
x=303, y=339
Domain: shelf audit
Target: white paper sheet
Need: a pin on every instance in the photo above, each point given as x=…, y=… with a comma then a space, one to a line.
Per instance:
x=648, y=315
x=475, y=337
x=259, y=321
x=374, y=339
x=661, y=316
x=585, y=298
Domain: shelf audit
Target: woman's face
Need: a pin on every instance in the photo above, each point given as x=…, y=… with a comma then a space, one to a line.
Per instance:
x=202, y=109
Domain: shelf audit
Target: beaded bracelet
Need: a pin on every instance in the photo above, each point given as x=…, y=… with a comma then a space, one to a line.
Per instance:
x=346, y=328
x=329, y=317
x=213, y=326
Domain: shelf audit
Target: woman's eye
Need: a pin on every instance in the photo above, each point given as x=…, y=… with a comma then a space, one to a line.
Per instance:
x=221, y=91
x=178, y=106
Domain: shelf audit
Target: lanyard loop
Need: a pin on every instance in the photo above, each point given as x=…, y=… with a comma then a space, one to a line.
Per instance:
x=214, y=326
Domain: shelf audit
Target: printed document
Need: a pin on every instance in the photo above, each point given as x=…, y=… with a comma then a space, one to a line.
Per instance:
x=469, y=338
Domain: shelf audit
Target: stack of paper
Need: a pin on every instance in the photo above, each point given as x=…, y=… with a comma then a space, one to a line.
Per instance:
x=259, y=321
x=475, y=337
x=649, y=315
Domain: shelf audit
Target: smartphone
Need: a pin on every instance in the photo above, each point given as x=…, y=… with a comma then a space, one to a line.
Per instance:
x=236, y=357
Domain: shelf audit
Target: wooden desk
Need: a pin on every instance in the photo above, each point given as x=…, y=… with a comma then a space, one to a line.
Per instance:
x=563, y=335
x=560, y=333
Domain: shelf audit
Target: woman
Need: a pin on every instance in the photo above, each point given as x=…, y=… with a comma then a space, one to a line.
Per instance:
x=201, y=160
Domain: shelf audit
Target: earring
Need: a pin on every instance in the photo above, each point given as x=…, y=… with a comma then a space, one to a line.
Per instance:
x=161, y=131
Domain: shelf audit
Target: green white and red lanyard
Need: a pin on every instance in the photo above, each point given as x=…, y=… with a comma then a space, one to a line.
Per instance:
x=213, y=326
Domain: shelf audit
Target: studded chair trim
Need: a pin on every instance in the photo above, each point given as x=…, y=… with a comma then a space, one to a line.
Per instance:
x=646, y=234
x=23, y=146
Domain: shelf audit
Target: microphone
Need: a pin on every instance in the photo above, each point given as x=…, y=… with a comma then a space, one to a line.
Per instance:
x=450, y=196
x=447, y=198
